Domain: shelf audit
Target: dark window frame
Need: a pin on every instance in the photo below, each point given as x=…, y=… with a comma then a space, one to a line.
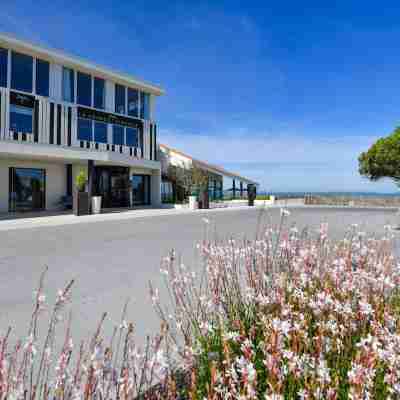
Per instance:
x=17, y=83
x=42, y=89
x=3, y=67
x=99, y=101
x=84, y=94
x=118, y=90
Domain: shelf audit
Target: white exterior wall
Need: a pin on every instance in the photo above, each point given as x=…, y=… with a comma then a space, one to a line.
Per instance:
x=56, y=180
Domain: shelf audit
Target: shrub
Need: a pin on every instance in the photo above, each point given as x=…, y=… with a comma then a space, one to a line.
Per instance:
x=80, y=181
x=263, y=197
x=288, y=316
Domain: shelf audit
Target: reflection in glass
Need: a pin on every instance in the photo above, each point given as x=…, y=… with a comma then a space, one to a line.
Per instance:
x=132, y=137
x=27, y=189
x=85, y=130
x=120, y=99
x=3, y=67
x=118, y=135
x=42, y=77
x=84, y=89
x=140, y=189
x=21, y=119
x=68, y=84
x=21, y=72
x=100, y=132
x=133, y=102
x=144, y=105
x=99, y=93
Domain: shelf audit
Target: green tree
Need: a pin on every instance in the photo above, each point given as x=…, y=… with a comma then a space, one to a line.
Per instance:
x=382, y=160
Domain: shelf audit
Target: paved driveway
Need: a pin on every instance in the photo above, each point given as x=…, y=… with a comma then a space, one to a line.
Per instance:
x=114, y=260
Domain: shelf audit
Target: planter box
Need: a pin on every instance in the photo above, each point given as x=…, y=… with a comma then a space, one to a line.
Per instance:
x=205, y=200
x=81, y=203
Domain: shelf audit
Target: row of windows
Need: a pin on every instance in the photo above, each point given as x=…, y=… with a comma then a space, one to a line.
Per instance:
x=21, y=120
x=128, y=101
x=95, y=131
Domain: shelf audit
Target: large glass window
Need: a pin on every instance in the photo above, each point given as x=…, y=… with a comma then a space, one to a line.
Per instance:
x=120, y=99
x=144, y=105
x=133, y=102
x=42, y=77
x=27, y=189
x=68, y=85
x=140, y=189
x=84, y=89
x=21, y=72
x=100, y=132
x=99, y=93
x=3, y=67
x=118, y=135
x=21, y=119
x=85, y=129
x=132, y=137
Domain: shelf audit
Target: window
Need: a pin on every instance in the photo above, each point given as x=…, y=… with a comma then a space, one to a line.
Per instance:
x=21, y=119
x=3, y=67
x=118, y=135
x=132, y=137
x=85, y=130
x=84, y=89
x=68, y=85
x=99, y=93
x=145, y=105
x=133, y=102
x=42, y=77
x=120, y=99
x=100, y=132
x=21, y=72
x=27, y=189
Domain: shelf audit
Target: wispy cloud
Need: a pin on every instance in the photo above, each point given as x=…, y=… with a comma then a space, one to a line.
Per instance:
x=283, y=161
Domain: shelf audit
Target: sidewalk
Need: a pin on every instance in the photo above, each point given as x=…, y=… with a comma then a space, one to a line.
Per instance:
x=36, y=221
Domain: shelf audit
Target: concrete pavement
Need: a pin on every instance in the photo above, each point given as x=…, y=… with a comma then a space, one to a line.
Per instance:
x=113, y=257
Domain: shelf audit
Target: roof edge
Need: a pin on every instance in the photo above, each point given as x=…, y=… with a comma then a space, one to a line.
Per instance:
x=78, y=62
x=211, y=167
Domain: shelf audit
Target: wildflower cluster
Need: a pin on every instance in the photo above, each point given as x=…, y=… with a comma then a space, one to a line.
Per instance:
x=290, y=316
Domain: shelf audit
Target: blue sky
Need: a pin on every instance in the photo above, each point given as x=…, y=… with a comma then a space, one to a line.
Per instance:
x=286, y=92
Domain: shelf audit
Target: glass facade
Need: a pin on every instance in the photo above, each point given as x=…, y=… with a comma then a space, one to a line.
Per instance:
x=99, y=93
x=85, y=129
x=3, y=67
x=42, y=77
x=68, y=85
x=84, y=89
x=21, y=119
x=133, y=102
x=21, y=72
x=132, y=137
x=120, y=99
x=27, y=189
x=118, y=135
x=144, y=105
x=100, y=132
x=140, y=189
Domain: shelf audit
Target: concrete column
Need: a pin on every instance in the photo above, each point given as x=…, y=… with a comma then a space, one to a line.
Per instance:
x=155, y=190
x=90, y=177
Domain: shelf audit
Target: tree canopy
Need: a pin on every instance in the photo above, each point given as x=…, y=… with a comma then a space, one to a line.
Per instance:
x=382, y=160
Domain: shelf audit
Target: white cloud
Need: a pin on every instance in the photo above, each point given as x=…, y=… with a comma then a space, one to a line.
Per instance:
x=283, y=162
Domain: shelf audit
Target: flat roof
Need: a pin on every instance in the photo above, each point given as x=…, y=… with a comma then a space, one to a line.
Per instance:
x=211, y=167
x=60, y=57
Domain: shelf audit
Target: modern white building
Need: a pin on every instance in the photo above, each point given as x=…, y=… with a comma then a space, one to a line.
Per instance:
x=235, y=186
x=60, y=115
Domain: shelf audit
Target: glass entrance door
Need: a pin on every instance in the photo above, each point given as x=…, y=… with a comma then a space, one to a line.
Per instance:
x=112, y=184
x=140, y=190
x=27, y=189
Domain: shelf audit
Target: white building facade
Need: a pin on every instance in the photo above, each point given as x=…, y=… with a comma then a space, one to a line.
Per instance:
x=60, y=115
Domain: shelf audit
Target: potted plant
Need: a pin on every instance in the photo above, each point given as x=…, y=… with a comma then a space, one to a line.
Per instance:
x=81, y=197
